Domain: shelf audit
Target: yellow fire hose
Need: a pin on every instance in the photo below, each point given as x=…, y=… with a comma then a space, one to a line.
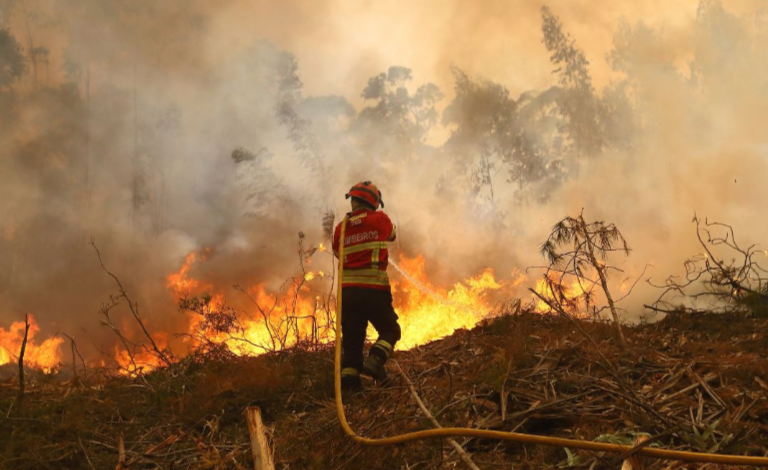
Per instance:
x=508, y=436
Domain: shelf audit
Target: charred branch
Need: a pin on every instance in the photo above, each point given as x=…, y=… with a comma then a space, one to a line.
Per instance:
x=738, y=285
x=132, y=306
x=21, y=358
x=76, y=351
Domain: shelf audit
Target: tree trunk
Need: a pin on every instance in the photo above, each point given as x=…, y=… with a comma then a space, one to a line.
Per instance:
x=30, y=45
x=135, y=158
x=88, y=137
x=604, y=283
x=456, y=446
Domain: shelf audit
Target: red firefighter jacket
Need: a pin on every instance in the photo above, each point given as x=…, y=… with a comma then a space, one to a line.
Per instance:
x=365, y=249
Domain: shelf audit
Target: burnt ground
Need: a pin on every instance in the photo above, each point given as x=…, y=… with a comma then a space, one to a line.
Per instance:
x=699, y=382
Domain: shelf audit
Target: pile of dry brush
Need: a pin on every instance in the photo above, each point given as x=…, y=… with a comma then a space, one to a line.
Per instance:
x=694, y=382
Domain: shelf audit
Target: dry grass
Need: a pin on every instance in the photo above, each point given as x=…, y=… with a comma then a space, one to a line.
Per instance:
x=522, y=372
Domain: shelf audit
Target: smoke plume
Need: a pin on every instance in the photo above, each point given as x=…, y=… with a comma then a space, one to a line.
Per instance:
x=157, y=129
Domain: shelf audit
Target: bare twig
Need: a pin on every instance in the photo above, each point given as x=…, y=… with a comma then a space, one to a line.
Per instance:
x=107, y=321
x=75, y=350
x=265, y=315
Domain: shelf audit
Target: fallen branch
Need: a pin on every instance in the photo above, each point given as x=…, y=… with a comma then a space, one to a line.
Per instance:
x=121, y=465
x=608, y=365
x=708, y=378
x=85, y=453
x=172, y=439
x=673, y=311
x=459, y=450
x=262, y=454
x=711, y=377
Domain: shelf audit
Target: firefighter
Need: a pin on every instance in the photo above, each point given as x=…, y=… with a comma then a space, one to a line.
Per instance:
x=365, y=292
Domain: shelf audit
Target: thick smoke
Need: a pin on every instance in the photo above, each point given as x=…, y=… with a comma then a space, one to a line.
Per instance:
x=158, y=129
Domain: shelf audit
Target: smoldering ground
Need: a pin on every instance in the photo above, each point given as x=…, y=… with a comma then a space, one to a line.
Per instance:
x=161, y=129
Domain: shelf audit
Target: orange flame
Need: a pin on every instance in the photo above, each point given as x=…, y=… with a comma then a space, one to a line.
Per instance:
x=426, y=312
x=282, y=322
x=542, y=288
x=432, y=312
x=277, y=320
x=624, y=286
x=143, y=359
x=180, y=282
x=310, y=275
x=43, y=356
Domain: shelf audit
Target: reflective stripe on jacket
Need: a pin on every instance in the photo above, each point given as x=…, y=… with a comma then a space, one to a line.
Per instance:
x=365, y=248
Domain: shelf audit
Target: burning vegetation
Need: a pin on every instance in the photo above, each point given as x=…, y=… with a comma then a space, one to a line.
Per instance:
x=191, y=167
x=43, y=355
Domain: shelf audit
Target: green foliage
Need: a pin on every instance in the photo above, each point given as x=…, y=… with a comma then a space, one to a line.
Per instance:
x=578, y=102
x=326, y=108
x=300, y=133
x=625, y=438
x=706, y=440
x=570, y=459
x=538, y=139
x=258, y=183
x=572, y=64
x=217, y=317
x=12, y=65
x=405, y=116
x=580, y=239
x=482, y=118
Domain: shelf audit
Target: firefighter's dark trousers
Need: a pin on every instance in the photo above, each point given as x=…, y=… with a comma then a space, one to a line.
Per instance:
x=361, y=305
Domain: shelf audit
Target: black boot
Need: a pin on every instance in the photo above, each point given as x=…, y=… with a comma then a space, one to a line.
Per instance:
x=350, y=380
x=374, y=367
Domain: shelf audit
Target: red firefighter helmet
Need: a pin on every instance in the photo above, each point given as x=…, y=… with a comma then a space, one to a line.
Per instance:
x=366, y=192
